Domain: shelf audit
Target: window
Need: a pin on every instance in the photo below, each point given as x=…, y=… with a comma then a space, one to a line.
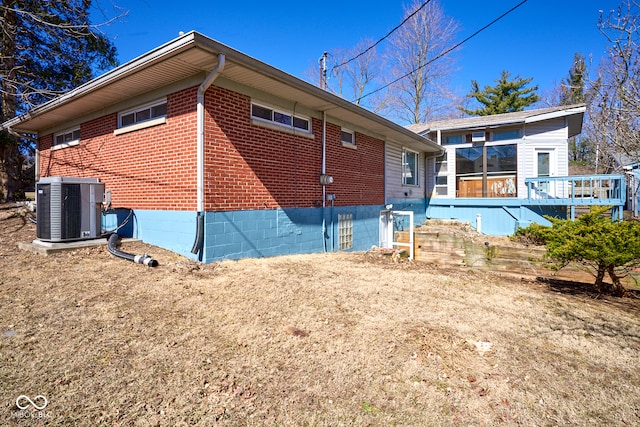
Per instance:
x=69, y=137
x=280, y=118
x=478, y=136
x=143, y=114
x=486, y=171
x=441, y=164
x=441, y=185
x=347, y=137
x=345, y=231
x=503, y=135
x=409, y=167
x=544, y=169
x=454, y=139
x=441, y=175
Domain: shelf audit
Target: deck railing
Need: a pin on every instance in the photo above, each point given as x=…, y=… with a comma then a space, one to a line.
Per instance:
x=579, y=190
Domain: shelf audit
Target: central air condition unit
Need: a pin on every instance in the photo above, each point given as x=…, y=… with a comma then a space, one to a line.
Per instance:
x=68, y=208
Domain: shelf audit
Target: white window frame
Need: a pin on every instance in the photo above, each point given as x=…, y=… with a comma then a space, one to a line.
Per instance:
x=345, y=143
x=70, y=142
x=142, y=122
x=284, y=114
x=441, y=173
x=415, y=180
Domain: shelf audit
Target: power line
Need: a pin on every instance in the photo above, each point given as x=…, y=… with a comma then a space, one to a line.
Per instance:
x=382, y=39
x=446, y=52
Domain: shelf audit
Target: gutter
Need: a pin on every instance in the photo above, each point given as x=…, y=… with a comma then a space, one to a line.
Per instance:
x=208, y=81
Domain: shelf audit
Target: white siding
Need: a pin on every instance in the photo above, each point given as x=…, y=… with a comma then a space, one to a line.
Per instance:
x=393, y=174
x=524, y=167
x=549, y=135
x=451, y=174
x=547, y=129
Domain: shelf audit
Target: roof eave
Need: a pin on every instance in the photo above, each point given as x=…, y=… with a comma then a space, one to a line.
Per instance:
x=105, y=79
x=333, y=102
x=328, y=101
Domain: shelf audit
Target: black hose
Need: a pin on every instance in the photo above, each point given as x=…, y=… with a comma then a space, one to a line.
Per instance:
x=140, y=259
x=197, y=245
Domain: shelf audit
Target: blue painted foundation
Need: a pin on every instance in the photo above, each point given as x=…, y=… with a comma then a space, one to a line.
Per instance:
x=265, y=233
x=172, y=230
x=233, y=235
x=499, y=217
x=250, y=234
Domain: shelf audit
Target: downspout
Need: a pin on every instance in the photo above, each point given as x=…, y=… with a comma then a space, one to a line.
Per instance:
x=323, y=171
x=198, y=244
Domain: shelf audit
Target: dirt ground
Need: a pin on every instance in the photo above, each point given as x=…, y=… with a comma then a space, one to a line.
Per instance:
x=343, y=339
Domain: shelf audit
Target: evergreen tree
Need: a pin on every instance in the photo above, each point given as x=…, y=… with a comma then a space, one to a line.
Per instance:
x=593, y=240
x=506, y=96
x=46, y=49
x=572, y=89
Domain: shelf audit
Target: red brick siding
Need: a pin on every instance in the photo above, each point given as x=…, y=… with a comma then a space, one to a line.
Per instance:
x=253, y=167
x=358, y=174
x=247, y=166
x=152, y=168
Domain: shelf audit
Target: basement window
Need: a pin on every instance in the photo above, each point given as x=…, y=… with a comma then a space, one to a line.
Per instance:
x=280, y=118
x=345, y=231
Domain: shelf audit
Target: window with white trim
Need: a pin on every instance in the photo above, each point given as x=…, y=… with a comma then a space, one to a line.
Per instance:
x=143, y=114
x=409, y=167
x=441, y=175
x=279, y=117
x=67, y=137
x=347, y=137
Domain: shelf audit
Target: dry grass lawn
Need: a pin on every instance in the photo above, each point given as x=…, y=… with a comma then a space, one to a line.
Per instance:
x=345, y=339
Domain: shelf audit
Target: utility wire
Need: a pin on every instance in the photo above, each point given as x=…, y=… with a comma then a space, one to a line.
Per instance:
x=446, y=52
x=382, y=39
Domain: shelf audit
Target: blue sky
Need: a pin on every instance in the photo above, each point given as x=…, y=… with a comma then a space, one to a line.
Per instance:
x=537, y=40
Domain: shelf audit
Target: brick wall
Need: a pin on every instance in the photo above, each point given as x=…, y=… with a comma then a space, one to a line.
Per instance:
x=247, y=167
x=358, y=173
x=254, y=167
x=152, y=168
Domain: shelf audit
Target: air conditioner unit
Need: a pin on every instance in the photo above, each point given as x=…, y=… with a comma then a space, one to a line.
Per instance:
x=68, y=208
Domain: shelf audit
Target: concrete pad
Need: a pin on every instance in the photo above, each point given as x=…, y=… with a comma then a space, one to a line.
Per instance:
x=46, y=248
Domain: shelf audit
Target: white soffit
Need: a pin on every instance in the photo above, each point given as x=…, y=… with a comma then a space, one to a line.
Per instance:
x=194, y=54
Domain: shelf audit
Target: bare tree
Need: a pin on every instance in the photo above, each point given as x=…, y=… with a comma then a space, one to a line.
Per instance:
x=615, y=94
x=354, y=71
x=418, y=76
x=46, y=48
